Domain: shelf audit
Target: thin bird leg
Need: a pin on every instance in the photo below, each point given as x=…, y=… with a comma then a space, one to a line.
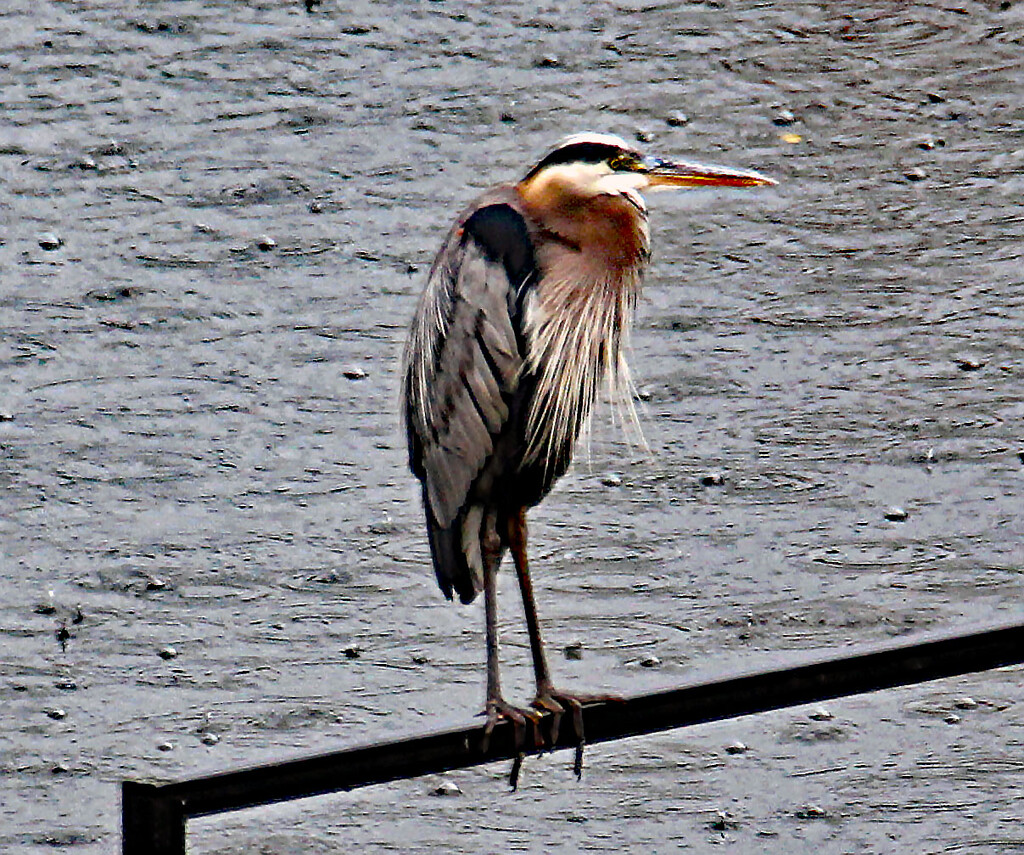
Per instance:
x=497, y=707
x=548, y=698
x=517, y=545
x=491, y=625
x=553, y=700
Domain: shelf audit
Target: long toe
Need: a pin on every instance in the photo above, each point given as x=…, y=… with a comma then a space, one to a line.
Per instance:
x=558, y=701
x=547, y=703
x=498, y=709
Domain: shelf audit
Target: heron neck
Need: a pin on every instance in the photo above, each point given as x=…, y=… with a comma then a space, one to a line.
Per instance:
x=597, y=237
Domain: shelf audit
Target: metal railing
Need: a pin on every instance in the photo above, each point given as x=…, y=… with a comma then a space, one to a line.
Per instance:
x=154, y=816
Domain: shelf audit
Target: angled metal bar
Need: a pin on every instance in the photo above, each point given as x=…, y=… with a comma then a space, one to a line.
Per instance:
x=150, y=820
x=154, y=816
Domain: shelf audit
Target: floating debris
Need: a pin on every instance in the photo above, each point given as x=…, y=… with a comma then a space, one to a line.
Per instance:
x=612, y=480
x=384, y=526
x=265, y=243
x=791, y=138
x=951, y=718
x=352, y=652
x=736, y=747
x=676, y=119
x=968, y=364
x=155, y=584
x=209, y=739
x=650, y=662
x=811, y=811
x=56, y=713
x=111, y=295
x=643, y=135
x=965, y=703
x=165, y=746
x=894, y=513
x=330, y=577
x=50, y=242
x=114, y=148
x=820, y=714
x=915, y=173
x=712, y=479
x=167, y=652
x=446, y=789
x=783, y=117
x=723, y=821
x=354, y=372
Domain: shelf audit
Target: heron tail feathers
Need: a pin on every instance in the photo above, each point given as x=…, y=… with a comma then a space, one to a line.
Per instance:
x=461, y=549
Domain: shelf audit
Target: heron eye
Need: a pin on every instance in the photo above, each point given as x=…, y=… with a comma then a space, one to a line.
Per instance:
x=622, y=163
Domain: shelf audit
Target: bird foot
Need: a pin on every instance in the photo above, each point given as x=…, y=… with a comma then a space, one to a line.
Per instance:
x=498, y=709
x=549, y=700
x=557, y=702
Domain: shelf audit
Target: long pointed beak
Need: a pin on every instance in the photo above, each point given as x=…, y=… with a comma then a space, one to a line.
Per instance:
x=668, y=173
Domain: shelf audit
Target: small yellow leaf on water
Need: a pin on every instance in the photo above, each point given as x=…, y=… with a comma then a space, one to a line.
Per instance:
x=791, y=138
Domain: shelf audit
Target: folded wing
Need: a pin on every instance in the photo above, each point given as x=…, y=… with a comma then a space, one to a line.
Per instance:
x=462, y=367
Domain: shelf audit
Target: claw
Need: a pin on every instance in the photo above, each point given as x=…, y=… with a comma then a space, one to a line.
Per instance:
x=547, y=703
x=498, y=709
x=577, y=721
x=557, y=702
x=553, y=701
x=513, y=775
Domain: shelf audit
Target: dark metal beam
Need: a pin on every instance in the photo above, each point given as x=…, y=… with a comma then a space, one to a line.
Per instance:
x=151, y=821
x=154, y=815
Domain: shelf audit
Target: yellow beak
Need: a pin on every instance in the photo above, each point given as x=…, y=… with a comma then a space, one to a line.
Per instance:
x=667, y=173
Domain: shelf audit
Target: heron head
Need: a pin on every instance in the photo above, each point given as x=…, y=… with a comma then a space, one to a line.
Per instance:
x=595, y=164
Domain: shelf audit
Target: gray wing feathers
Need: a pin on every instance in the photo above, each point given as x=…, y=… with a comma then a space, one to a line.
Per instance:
x=464, y=364
x=499, y=340
x=483, y=388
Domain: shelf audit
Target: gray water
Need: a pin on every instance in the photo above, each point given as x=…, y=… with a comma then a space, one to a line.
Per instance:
x=200, y=450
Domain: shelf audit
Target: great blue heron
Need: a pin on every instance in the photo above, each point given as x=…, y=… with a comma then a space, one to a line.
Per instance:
x=525, y=313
